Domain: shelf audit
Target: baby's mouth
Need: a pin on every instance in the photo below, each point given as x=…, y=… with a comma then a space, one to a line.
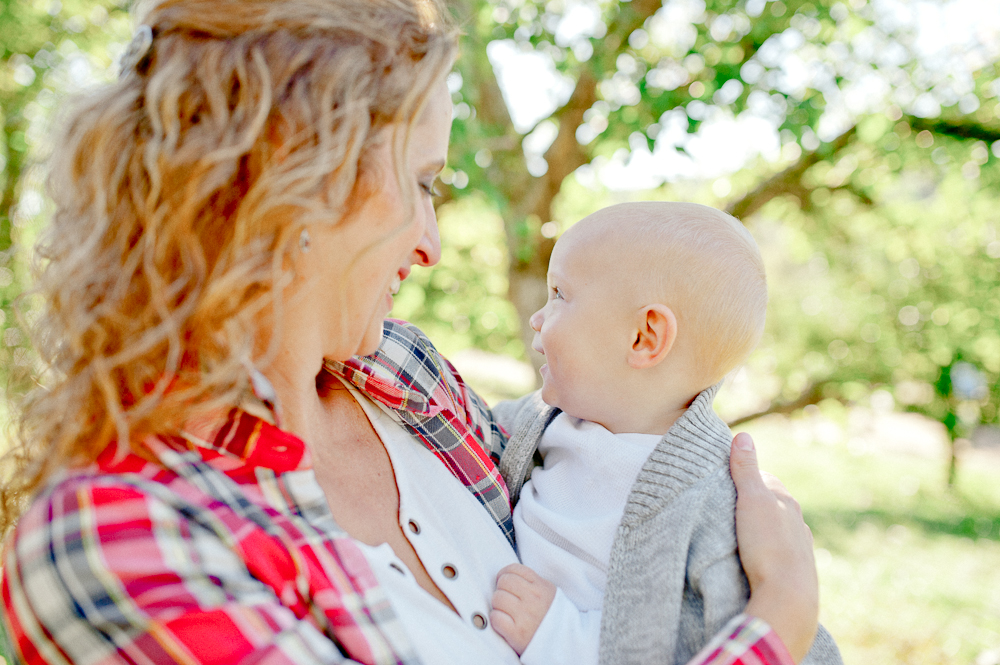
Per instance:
x=394, y=285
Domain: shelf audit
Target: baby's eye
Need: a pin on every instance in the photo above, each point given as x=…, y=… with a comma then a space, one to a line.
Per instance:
x=556, y=293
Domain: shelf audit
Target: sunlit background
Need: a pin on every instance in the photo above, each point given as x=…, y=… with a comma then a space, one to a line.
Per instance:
x=860, y=143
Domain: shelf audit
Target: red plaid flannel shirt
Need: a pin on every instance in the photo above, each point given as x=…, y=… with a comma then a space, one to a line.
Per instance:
x=223, y=550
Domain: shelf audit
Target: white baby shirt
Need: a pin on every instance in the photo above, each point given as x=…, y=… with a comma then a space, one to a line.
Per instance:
x=565, y=523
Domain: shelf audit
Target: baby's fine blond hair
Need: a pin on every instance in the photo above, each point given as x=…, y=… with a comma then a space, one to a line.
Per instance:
x=181, y=188
x=700, y=262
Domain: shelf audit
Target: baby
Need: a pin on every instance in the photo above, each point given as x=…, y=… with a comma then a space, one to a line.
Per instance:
x=631, y=514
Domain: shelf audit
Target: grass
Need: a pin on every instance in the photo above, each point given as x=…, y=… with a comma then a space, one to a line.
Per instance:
x=909, y=571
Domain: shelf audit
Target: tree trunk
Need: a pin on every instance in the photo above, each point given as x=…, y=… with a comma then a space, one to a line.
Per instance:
x=12, y=175
x=952, y=464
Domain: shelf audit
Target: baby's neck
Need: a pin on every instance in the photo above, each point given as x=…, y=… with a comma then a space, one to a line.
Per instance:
x=642, y=416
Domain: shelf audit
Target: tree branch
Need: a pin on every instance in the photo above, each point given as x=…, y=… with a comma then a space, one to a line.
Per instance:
x=788, y=180
x=958, y=130
x=812, y=395
x=565, y=155
x=860, y=194
x=631, y=17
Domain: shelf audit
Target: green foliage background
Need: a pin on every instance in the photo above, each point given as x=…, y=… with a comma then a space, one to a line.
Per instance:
x=48, y=49
x=882, y=243
x=882, y=238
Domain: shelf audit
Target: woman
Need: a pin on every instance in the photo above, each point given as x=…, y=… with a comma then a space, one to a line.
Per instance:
x=212, y=475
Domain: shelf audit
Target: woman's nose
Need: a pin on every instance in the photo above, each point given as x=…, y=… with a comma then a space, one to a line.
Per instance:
x=428, y=250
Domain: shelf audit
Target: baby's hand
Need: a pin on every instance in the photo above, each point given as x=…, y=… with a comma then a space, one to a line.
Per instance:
x=519, y=604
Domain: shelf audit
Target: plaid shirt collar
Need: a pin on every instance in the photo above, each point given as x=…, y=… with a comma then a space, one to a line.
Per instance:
x=425, y=394
x=381, y=382
x=250, y=437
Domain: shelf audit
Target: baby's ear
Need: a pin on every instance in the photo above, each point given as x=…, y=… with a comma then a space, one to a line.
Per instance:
x=654, y=336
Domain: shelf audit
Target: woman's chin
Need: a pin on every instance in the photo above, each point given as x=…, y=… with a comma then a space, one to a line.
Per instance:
x=372, y=340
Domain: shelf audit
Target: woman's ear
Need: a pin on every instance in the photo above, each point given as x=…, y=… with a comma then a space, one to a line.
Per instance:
x=654, y=336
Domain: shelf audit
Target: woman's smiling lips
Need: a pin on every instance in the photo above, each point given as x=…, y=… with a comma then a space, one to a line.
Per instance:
x=395, y=284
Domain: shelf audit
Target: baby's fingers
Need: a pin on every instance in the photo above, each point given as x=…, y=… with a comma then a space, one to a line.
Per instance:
x=502, y=623
x=519, y=570
x=516, y=619
x=506, y=602
x=517, y=579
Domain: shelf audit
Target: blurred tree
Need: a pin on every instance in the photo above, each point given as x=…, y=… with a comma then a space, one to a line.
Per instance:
x=632, y=69
x=888, y=271
x=883, y=189
x=879, y=193
x=48, y=47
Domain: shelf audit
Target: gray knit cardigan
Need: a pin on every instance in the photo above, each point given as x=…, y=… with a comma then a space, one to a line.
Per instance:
x=674, y=577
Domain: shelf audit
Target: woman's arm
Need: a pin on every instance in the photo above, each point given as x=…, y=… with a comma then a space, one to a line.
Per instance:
x=776, y=549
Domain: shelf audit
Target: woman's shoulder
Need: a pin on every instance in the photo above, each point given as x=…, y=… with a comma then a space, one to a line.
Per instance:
x=133, y=488
x=105, y=489
x=80, y=526
x=103, y=559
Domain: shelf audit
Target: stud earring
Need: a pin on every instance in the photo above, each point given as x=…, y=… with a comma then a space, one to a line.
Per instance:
x=304, y=241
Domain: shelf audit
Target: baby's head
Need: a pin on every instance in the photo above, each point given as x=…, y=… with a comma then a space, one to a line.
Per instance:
x=647, y=301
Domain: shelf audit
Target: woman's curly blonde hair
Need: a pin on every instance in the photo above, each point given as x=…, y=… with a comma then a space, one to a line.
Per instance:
x=166, y=244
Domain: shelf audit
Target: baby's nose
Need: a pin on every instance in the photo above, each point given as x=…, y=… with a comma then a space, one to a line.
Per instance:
x=536, y=321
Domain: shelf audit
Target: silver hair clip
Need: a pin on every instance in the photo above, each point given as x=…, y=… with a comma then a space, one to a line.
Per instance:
x=136, y=50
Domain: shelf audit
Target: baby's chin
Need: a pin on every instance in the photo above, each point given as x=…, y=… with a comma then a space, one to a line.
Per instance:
x=568, y=409
x=573, y=405
x=547, y=395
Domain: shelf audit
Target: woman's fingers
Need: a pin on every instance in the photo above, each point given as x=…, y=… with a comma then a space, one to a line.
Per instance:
x=751, y=483
x=776, y=487
x=769, y=525
x=743, y=457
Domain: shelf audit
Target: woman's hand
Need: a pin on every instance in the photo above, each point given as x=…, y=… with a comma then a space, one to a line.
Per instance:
x=776, y=548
